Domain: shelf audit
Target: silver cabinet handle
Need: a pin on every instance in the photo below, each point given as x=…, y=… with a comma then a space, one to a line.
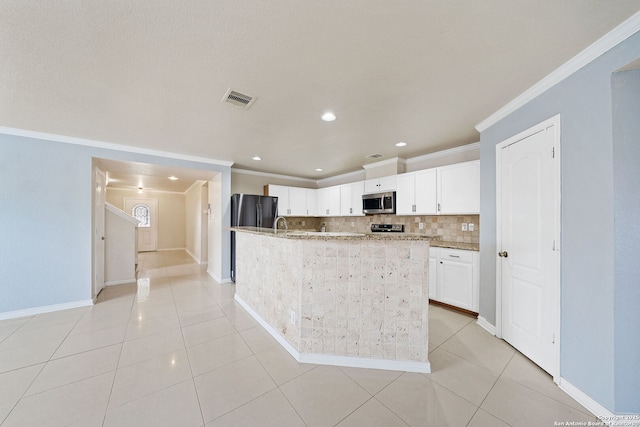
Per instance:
x=454, y=256
x=438, y=207
x=503, y=254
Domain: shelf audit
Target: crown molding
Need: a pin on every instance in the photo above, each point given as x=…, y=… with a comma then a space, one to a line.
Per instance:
x=443, y=153
x=110, y=146
x=273, y=175
x=326, y=182
x=197, y=182
x=144, y=191
x=602, y=45
x=393, y=161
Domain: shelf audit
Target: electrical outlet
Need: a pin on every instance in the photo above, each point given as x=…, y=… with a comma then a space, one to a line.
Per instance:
x=472, y=227
x=292, y=313
x=304, y=223
x=464, y=226
x=421, y=225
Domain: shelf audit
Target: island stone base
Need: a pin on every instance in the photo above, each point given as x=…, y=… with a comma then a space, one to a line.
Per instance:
x=346, y=302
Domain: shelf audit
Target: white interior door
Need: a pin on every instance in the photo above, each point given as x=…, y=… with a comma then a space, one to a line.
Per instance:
x=528, y=205
x=98, y=232
x=146, y=212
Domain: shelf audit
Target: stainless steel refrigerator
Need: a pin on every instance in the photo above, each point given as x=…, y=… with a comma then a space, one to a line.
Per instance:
x=252, y=211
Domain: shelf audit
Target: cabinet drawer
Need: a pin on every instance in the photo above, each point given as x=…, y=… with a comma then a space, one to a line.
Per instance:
x=456, y=255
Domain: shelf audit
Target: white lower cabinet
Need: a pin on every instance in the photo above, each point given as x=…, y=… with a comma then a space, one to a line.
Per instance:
x=456, y=278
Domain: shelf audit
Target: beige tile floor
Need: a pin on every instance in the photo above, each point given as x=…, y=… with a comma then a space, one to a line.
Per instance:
x=185, y=354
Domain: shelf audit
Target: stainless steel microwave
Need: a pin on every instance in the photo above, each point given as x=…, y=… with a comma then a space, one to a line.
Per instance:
x=379, y=203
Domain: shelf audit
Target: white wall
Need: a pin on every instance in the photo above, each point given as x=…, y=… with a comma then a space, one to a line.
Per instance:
x=254, y=182
x=216, y=257
x=195, y=222
x=171, y=214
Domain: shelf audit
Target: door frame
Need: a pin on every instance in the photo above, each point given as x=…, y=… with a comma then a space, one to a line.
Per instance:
x=552, y=122
x=95, y=261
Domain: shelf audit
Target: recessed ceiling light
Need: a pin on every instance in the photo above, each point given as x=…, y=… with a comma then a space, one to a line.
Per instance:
x=256, y=158
x=401, y=144
x=318, y=169
x=328, y=117
x=173, y=178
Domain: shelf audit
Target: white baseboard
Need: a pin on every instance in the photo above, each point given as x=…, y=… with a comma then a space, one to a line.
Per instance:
x=45, y=309
x=272, y=331
x=213, y=276
x=595, y=408
x=170, y=249
x=218, y=279
x=120, y=282
x=363, y=362
x=323, y=359
x=484, y=324
x=195, y=258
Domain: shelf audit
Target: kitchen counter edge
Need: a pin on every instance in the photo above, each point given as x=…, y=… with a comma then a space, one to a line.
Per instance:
x=291, y=234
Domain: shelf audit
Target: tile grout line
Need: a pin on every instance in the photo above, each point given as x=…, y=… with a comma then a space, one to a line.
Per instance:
x=113, y=382
x=193, y=379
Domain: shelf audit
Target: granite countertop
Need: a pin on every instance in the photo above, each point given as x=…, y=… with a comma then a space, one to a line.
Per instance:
x=316, y=235
x=455, y=245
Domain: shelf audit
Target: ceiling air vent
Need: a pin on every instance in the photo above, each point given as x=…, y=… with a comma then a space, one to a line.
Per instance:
x=238, y=99
x=375, y=156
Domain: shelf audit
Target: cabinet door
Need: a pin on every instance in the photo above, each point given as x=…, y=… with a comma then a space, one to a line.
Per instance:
x=433, y=273
x=346, y=200
x=312, y=205
x=459, y=188
x=372, y=186
x=297, y=201
x=455, y=278
x=357, y=190
x=387, y=183
x=426, y=200
x=282, y=193
x=405, y=194
x=333, y=197
x=322, y=202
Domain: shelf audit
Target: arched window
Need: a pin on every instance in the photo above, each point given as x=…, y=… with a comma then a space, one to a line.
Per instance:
x=142, y=214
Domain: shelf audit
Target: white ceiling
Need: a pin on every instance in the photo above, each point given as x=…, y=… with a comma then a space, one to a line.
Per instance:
x=152, y=73
x=150, y=177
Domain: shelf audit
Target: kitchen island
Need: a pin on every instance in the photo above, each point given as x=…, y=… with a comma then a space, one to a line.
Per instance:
x=343, y=299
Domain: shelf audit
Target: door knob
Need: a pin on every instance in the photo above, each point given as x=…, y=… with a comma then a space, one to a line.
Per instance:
x=503, y=254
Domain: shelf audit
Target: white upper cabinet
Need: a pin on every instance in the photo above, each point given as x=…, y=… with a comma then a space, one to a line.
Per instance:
x=351, y=199
x=312, y=203
x=447, y=190
x=328, y=201
x=379, y=185
x=416, y=193
x=292, y=201
x=459, y=188
x=282, y=193
x=297, y=201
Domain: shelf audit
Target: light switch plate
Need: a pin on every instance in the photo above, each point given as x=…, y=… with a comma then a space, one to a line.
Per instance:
x=464, y=226
x=472, y=227
x=421, y=225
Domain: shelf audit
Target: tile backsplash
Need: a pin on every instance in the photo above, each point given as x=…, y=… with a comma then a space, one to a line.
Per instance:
x=448, y=227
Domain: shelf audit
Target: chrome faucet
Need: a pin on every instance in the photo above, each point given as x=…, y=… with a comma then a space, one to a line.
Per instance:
x=275, y=223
